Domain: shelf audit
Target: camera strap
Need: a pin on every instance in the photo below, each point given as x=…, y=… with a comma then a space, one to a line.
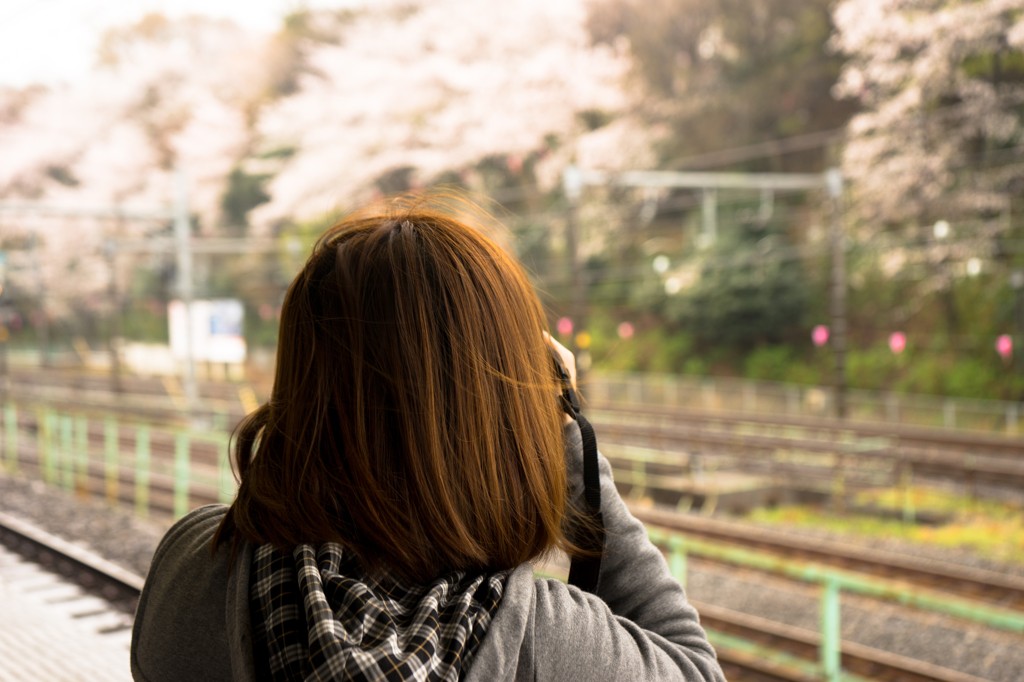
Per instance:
x=589, y=532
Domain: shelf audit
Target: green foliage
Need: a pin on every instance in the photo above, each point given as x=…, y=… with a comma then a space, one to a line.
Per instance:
x=925, y=373
x=873, y=367
x=146, y=323
x=245, y=191
x=285, y=152
x=745, y=297
x=592, y=119
x=728, y=73
x=395, y=180
x=769, y=363
x=971, y=378
x=653, y=347
x=63, y=175
x=259, y=333
x=990, y=528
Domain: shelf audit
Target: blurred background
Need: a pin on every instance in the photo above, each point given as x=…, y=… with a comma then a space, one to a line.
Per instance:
x=785, y=238
x=280, y=117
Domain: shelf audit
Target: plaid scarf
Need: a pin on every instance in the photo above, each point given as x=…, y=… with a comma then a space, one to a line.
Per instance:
x=318, y=616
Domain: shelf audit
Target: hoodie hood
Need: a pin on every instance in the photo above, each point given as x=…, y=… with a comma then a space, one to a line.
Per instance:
x=317, y=615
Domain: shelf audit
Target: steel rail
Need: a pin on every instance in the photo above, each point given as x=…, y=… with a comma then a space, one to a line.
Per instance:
x=977, y=443
x=955, y=463
x=770, y=649
x=1001, y=589
x=118, y=586
x=744, y=643
x=752, y=648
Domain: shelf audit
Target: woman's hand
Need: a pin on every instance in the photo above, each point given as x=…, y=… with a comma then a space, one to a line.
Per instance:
x=568, y=361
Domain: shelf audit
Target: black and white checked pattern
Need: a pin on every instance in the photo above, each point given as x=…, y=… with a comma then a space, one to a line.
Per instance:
x=317, y=615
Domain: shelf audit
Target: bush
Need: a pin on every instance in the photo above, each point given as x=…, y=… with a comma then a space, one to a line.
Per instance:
x=972, y=379
x=769, y=363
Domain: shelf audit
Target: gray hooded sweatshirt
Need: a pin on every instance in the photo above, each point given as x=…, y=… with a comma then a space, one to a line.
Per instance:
x=193, y=620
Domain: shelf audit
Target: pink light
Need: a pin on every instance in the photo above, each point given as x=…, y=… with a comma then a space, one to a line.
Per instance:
x=564, y=326
x=625, y=330
x=819, y=335
x=897, y=342
x=1004, y=346
x=515, y=163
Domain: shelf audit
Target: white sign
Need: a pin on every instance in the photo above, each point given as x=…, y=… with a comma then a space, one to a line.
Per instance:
x=216, y=330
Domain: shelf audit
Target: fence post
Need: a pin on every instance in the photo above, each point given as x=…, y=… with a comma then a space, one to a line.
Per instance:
x=839, y=484
x=182, y=445
x=830, y=630
x=1011, y=419
x=67, y=457
x=639, y=480
x=11, y=436
x=82, y=454
x=634, y=390
x=44, y=449
x=949, y=413
x=792, y=400
x=110, y=457
x=892, y=404
x=142, y=471
x=707, y=394
x=226, y=487
x=908, y=493
x=677, y=559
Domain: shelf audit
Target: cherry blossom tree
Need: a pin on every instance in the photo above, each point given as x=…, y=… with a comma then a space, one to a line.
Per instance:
x=941, y=83
x=305, y=121
x=164, y=95
x=436, y=86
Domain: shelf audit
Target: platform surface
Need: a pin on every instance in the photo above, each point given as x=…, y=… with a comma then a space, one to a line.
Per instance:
x=51, y=630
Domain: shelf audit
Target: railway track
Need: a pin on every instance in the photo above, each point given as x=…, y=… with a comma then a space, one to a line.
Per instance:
x=982, y=444
x=753, y=648
x=97, y=478
x=937, y=580
x=990, y=587
x=812, y=449
x=749, y=648
x=116, y=586
x=141, y=397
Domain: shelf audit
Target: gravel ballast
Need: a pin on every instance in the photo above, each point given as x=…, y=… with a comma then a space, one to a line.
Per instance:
x=113, y=533
x=117, y=535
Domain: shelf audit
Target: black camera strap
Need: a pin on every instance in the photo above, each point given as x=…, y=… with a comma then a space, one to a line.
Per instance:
x=589, y=531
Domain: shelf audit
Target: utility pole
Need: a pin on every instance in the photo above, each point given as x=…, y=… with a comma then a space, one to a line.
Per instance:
x=43, y=322
x=709, y=216
x=834, y=183
x=182, y=242
x=5, y=334
x=1017, y=282
x=572, y=185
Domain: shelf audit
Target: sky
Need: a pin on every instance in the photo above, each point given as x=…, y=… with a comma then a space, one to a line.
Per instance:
x=54, y=41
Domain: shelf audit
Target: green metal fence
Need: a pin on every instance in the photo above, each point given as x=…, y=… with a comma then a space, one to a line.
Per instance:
x=767, y=397
x=69, y=449
x=833, y=582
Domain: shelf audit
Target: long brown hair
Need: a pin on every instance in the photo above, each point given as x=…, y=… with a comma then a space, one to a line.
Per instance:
x=413, y=417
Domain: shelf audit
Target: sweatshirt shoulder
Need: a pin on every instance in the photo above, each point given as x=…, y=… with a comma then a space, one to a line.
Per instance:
x=181, y=625
x=198, y=524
